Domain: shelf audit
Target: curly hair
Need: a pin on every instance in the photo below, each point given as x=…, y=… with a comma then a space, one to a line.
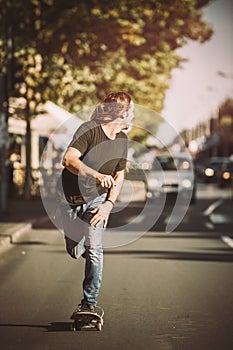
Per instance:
x=114, y=105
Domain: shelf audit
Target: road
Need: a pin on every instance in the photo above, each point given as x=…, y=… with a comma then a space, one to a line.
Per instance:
x=164, y=291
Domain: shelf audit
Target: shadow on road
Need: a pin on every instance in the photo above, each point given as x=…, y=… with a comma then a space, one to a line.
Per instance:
x=52, y=327
x=175, y=255
x=30, y=243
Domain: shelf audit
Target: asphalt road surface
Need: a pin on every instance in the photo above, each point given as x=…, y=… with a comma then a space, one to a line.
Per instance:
x=164, y=291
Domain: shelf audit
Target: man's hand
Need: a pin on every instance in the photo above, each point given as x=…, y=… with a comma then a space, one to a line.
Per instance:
x=102, y=213
x=106, y=181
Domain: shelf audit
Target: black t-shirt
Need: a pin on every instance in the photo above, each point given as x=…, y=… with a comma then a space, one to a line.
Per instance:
x=98, y=152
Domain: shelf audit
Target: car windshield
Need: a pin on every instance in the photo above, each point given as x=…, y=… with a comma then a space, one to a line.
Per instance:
x=171, y=163
x=216, y=165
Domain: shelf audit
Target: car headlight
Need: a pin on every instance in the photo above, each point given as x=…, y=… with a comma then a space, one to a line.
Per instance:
x=186, y=183
x=154, y=183
x=226, y=175
x=209, y=172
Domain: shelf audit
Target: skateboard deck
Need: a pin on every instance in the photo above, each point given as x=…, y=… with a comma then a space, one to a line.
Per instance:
x=83, y=320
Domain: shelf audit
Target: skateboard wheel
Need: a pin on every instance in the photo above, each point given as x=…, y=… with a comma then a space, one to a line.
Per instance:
x=73, y=327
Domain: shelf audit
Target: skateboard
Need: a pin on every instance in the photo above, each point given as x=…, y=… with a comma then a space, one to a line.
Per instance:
x=84, y=320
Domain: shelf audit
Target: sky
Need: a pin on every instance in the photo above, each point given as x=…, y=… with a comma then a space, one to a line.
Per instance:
x=197, y=90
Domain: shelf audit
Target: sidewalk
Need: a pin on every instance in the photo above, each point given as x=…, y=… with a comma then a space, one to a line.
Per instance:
x=20, y=217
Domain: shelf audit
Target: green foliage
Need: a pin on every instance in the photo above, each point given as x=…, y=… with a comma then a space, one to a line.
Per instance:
x=87, y=48
x=74, y=52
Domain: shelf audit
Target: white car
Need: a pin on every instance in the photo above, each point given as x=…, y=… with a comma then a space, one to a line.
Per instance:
x=170, y=175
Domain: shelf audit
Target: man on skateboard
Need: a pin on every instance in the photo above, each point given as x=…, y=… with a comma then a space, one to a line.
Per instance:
x=94, y=169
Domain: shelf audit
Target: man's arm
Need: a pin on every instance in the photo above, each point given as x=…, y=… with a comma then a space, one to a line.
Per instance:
x=72, y=162
x=101, y=214
x=116, y=189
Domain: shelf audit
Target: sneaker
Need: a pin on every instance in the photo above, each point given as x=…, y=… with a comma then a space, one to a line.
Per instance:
x=87, y=307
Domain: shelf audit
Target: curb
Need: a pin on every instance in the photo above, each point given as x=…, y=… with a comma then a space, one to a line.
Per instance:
x=9, y=235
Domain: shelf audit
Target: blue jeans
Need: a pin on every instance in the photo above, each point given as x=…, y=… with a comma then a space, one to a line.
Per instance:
x=83, y=239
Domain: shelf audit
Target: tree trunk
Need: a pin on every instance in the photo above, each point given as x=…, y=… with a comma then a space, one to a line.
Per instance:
x=28, y=174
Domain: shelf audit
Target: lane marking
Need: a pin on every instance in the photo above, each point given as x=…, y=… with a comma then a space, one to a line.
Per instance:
x=138, y=219
x=212, y=207
x=209, y=225
x=220, y=219
x=227, y=240
x=174, y=219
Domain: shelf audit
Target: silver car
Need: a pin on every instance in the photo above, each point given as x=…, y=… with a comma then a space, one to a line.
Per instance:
x=170, y=175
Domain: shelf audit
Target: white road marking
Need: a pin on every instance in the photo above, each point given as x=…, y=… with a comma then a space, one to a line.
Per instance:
x=227, y=240
x=138, y=219
x=174, y=219
x=211, y=208
x=220, y=219
x=209, y=225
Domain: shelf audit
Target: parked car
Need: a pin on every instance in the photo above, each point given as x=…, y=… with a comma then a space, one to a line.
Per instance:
x=171, y=175
x=213, y=168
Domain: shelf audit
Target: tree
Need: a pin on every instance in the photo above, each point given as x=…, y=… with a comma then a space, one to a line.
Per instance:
x=126, y=44
x=74, y=52
x=29, y=76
